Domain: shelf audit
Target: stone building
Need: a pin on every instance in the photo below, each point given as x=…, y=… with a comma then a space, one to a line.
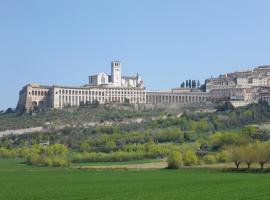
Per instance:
x=258, y=77
x=177, y=95
x=115, y=79
x=102, y=88
x=241, y=88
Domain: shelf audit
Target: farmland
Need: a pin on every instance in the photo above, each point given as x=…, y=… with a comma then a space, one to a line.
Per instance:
x=19, y=181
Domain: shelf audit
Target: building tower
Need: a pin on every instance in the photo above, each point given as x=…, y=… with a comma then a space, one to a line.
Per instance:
x=116, y=73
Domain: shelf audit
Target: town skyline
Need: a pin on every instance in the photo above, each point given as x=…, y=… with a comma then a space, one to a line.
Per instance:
x=106, y=71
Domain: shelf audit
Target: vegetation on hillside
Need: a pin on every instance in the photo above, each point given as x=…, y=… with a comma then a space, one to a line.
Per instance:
x=197, y=137
x=72, y=116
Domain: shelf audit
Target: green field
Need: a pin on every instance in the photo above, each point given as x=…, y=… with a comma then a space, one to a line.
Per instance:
x=33, y=183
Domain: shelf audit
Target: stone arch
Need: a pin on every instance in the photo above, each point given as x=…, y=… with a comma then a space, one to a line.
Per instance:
x=34, y=105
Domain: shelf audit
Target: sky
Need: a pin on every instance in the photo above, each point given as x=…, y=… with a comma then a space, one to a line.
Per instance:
x=63, y=42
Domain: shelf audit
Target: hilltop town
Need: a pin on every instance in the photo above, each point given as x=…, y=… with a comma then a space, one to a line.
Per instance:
x=240, y=88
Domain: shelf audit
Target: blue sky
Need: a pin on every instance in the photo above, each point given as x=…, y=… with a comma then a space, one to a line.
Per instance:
x=63, y=41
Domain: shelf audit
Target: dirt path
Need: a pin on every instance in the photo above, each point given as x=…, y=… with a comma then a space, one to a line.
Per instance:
x=144, y=166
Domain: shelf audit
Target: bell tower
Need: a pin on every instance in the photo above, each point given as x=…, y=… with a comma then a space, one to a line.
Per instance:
x=116, y=73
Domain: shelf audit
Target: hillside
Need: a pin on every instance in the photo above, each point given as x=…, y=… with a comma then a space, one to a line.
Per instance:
x=79, y=116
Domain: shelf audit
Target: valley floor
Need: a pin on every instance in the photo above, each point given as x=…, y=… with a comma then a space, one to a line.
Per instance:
x=19, y=181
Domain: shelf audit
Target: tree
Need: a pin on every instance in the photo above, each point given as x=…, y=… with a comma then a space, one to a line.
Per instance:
x=198, y=84
x=182, y=84
x=236, y=156
x=262, y=153
x=85, y=146
x=248, y=154
x=175, y=160
x=225, y=106
x=110, y=146
x=9, y=110
x=189, y=83
x=193, y=84
x=250, y=131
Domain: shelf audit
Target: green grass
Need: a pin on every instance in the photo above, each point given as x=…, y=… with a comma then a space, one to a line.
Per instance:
x=20, y=182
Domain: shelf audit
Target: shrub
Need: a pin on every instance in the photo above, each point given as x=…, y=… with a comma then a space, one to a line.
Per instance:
x=109, y=157
x=175, y=160
x=59, y=162
x=52, y=156
x=7, y=153
x=209, y=159
x=190, y=158
x=223, y=156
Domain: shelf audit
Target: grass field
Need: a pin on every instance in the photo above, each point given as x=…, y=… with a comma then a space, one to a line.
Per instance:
x=22, y=182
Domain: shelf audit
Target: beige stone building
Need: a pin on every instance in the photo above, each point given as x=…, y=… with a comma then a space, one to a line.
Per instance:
x=102, y=88
x=105, y=89
x=245, y=86
x=177, y=95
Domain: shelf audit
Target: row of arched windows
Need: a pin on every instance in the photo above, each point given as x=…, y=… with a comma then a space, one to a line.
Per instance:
x=100, y=93
x=39, y=93
x=174, y=99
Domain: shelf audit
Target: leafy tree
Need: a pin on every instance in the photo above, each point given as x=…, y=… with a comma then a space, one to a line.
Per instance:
x=110, y=146
x=262, y=153
x=175, y=160
x=85, y=146
x=226, y=106
x=250, y=131
x=223, y=156
x=236, y=156
x=249, y=154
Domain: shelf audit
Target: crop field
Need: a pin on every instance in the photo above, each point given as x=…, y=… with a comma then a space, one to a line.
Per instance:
x=21, y=182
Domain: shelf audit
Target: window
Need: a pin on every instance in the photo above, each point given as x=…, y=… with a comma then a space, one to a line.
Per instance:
x=103, y=80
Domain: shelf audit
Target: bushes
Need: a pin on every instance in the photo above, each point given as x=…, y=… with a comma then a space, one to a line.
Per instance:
x=109, y=157
x=175, y=160
x=52, y=156
x=7, y=153
x=190, y=158
x=128, y=152
x=209, y=159
x=222, y=156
